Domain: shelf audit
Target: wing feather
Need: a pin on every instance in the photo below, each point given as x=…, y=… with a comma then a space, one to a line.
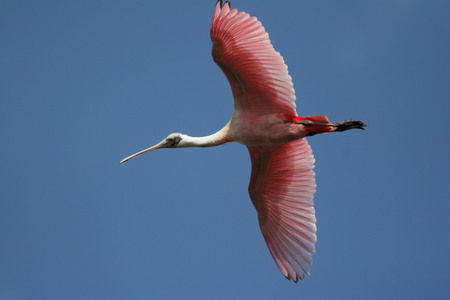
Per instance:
x=281, y=187
x=257, y=74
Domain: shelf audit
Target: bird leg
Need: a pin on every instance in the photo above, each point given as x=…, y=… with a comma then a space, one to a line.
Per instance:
x=348, y=124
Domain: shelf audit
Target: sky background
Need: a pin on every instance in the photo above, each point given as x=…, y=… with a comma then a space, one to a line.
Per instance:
x=85, y=83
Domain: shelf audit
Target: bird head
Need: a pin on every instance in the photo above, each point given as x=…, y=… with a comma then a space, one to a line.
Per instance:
x=173, y=140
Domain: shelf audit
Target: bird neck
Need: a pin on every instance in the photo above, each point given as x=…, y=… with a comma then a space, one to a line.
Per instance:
x=215, y=139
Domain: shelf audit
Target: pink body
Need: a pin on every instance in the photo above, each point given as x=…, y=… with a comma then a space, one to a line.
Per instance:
x=268, y=129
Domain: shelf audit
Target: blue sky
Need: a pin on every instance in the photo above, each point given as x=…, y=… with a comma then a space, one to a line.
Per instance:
x=85, y=83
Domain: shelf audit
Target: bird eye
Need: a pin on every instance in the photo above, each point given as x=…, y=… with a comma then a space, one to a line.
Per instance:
x=170, y=140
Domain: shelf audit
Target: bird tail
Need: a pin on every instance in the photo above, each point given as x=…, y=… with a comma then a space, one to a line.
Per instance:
x=319, y=119
x=315, y=124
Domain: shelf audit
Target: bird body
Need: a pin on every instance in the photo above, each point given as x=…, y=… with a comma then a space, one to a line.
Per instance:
x=267, y=129
x=282, y=182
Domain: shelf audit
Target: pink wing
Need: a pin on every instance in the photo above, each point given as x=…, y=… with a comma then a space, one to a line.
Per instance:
x=282, y=182
x=257, y=73
x=281, y=187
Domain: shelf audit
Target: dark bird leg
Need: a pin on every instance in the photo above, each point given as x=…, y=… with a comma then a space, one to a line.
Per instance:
x=348, y=124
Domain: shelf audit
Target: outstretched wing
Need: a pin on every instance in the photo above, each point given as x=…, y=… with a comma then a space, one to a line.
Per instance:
x=281, y=187
x=257, y=74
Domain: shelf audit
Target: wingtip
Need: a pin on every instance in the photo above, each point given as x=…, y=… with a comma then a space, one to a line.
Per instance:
x=298, y=277
x=295, y=280
x=222, y=4
x=217, y=10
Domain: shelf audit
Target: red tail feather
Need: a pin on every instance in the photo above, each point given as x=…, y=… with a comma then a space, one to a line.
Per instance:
x=316, y=128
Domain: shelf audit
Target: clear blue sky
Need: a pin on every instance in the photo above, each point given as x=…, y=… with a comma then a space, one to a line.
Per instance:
x=85, y=83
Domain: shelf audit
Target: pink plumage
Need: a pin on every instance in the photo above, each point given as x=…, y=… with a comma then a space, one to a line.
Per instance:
x=265, y=120
x=282, y=184
x=257, y=73
x=281, y=187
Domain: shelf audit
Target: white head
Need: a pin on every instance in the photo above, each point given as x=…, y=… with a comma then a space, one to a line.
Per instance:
x=173, y=140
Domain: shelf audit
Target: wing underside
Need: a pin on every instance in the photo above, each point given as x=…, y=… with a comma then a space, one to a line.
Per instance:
x=257, y=73
x=281, y=187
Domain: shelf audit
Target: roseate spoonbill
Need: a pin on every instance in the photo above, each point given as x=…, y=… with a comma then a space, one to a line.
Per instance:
x=282, y=181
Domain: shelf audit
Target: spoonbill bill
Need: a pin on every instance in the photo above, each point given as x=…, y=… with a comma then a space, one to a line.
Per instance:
x=265, y=120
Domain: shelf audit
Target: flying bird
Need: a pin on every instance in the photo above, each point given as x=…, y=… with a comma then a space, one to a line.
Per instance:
x=282, y=182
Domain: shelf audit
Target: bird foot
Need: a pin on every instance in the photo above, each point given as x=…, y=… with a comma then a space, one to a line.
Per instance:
x=348, y=124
